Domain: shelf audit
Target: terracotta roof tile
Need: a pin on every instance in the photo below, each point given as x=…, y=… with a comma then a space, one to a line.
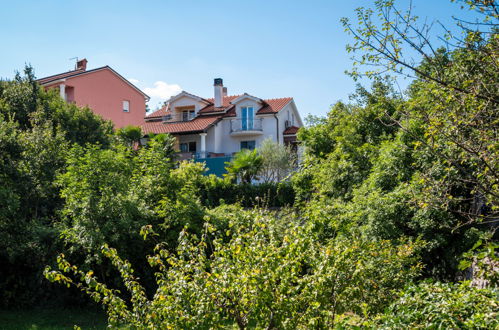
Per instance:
x=160, y=113
x=271, y=105
x=274, y=105
x=225, y=104
x=198, y=124
x=291, y=130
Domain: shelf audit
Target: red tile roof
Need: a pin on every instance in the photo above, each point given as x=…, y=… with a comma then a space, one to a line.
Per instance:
x=291, y=130
x=159, y=113
x=198, y=124
x=274, y=105
x=270, y=105
x=225, y=104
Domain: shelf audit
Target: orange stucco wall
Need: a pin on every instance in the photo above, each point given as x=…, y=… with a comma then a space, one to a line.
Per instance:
x=104, y=93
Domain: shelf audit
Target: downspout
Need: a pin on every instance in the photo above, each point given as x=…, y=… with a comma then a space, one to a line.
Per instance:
x=277, y=127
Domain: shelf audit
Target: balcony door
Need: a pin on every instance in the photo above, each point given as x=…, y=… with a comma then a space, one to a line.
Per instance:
x=247, y=118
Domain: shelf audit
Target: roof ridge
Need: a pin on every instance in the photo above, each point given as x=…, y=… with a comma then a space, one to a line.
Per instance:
x=235, y=95
x=279, y=98
x=58, y=74
x=77, y=72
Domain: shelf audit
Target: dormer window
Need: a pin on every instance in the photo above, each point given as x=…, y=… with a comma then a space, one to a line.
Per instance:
x=247, y=118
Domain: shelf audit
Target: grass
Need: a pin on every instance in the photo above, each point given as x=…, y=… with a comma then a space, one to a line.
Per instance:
x=52, y=319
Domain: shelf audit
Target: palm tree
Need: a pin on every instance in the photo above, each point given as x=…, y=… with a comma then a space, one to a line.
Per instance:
x=245, y=165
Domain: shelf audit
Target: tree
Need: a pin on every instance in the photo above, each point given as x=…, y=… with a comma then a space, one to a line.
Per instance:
x=278, y=160
x=37, y=129
x=252, y=269
x=369, y=181
x=455, y=96
x=130, y=135
x=245, y=165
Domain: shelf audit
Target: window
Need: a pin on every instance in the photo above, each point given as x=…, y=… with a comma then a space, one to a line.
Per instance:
x=247, y=118
x=187, y=115
x=126, y=106
x=248, y=145
x=188, y=147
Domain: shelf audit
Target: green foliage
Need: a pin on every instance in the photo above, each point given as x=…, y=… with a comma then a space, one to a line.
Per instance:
x=371, y=180
x=130, y=135
x=483, y=260
x=80, y=125
x=36, y=131
x=53, y=319
x=110, y=194
x=215, y=191
x=245, y=166
x=278, y=160
x=454, y=97
x=392, y=188
x=251, y=268
x=442, y=305
x=20, y=97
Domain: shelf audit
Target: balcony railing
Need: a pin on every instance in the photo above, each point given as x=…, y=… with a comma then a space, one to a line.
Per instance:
x=179, y=117
x=242, y=125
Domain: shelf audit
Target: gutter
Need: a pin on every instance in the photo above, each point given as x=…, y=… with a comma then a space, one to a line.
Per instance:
x=277, y=127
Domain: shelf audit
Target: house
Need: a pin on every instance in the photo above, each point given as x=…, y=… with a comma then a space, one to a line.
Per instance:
x=103, y=90
x=222, y=125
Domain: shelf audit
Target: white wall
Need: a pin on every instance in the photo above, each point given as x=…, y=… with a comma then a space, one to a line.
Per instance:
x=230, y=144
x=289, y=111
x=210, y=139
x=247, y=103
x=186, y=101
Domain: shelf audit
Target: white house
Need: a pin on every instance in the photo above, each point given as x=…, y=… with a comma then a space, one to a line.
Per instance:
x=223, y=125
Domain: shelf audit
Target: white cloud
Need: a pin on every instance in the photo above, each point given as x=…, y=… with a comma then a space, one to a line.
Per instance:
x=162, y=90
x=133, y=81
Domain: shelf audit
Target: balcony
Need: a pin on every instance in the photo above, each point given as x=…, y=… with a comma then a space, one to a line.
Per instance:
x=176, y=117
x=246, y=127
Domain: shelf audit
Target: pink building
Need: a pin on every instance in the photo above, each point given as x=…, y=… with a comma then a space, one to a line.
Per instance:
x=103, y=90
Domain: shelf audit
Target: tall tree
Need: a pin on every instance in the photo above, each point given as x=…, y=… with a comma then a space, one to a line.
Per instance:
x=455, y=95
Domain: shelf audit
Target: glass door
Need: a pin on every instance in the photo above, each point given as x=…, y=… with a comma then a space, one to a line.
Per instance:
x=247, y=118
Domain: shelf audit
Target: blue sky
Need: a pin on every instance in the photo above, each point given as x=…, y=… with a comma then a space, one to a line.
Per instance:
x=265, y=48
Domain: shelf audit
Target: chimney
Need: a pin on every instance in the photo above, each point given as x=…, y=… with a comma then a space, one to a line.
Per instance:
x=219, y=87
x=81, y=64
x=225, y=91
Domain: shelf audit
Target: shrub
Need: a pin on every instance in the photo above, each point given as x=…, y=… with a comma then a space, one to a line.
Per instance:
x=244, y=166
x=251, y=268
x=443, y=306
x=215, y=191
x=278, y=161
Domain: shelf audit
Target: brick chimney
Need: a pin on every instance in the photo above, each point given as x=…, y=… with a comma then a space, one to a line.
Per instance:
x=81, y=64
x=219, y=92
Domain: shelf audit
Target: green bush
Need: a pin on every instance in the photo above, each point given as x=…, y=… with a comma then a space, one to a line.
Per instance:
x=443, y=306
x=252, y=269
x=215, y=191
x=37, y=128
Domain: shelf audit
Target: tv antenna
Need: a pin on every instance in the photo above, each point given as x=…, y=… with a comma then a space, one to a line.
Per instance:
x=74, y=58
